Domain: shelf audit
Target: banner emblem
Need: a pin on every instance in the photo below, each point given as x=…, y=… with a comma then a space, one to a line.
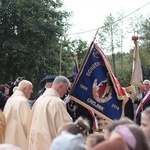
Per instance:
x=102, y=92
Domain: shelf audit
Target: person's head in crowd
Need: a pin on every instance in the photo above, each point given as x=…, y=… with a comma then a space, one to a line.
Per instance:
x=111, y=126
x=13, y=84
x=61, y=85
x=2, y=127
x=146, y=85
x=79, y=126
x=124, y=137
x=71, y=79
x=68, y=141
x=26, y=87
x=145, y=122
x=9, y=83
x=132, y=135
x=94, y=139
x=5, y=89
x=3, y=100
x=47, y=81
x=18, y=80
x=9, y=147
x=2, y=87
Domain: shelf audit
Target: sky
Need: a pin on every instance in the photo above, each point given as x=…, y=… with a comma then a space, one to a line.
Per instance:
x=90, y=14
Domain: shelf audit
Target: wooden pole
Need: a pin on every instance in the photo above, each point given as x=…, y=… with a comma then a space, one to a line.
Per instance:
x=60, y=56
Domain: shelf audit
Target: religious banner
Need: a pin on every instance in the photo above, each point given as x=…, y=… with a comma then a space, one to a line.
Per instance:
x=137, y=74
x=97, y=88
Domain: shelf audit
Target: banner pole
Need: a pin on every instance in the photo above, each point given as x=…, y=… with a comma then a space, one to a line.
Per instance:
x=95, y=35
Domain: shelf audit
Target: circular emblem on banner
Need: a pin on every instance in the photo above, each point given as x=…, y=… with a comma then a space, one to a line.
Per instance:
x=102, y=92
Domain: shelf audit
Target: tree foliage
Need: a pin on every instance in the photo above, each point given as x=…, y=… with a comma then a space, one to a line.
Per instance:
x=123, y=61
x=71, y=49
x=145, y=48
x=30, y=38
x=33, y=42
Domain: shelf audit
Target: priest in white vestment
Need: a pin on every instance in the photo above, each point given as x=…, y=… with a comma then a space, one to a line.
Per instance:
x=17, y=114
x=48, y=115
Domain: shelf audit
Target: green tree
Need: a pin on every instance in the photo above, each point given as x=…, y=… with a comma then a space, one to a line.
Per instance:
x=70, y=48
x=123, y=61
x=30, y=36
x=145, y=48
x=109, y=37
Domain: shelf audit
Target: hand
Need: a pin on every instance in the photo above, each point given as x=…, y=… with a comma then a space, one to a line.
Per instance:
x=67, y=99
x=17, y=80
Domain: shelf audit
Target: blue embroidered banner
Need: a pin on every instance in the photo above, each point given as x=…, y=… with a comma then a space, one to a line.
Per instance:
x=97, y=88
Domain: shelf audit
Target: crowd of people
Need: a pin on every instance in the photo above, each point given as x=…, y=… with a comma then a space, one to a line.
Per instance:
x=52, y=122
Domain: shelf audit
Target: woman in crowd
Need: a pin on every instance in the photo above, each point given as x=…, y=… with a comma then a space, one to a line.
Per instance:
x=79, y=126
x=145, y=123
x=5, y=89
x=124, y=137
x=111, y=126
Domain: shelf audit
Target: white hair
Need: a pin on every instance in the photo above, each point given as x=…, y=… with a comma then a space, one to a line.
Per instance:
x=24, y=84
x=61, y=79
x=146, y=81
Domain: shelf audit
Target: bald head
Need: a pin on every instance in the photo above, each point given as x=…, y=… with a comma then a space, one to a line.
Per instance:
x=61, y=84
x=26, y=87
